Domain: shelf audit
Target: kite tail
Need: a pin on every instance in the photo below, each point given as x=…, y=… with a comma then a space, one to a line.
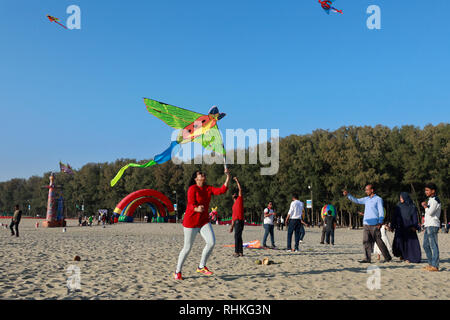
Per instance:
x=61, y=25
x=158, y=159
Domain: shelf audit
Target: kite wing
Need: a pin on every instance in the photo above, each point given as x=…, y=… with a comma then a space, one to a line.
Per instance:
x=175, y=117
x=211, y=140
x=51, y=18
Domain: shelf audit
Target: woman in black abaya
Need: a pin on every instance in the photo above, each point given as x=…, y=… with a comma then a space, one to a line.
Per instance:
x=406, y=244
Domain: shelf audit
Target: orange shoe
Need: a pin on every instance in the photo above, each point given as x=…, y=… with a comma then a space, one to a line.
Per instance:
x=205, y=271
x=433, y=269
x=178, y=276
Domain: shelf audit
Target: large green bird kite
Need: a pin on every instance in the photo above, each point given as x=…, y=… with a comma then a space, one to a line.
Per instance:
x=194, y=127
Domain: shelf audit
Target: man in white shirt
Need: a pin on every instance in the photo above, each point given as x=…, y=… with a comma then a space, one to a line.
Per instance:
x=269, y=214
x=432, y=224
x=294, y=222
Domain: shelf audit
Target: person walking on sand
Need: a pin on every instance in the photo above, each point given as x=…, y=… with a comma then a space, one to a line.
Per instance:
x=405, y=224
x=372, y=222
x=269, y=215
x=294, y=222
x=432, y=223
x=278, y=222
x=80, y=219
x=329, y=227
x=196, y=220
x=282, y=222
x=302, y=228
x=15, y=221
x=324, y=232
x=237, y=222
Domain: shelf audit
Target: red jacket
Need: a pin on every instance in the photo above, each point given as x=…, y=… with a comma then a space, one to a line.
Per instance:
x=197, y=196
x=238, y=209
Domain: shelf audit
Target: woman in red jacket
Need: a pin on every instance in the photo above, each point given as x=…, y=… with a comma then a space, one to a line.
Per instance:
x=196, y=219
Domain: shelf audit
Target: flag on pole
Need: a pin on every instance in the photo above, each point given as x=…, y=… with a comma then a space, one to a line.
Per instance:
x=65, y=168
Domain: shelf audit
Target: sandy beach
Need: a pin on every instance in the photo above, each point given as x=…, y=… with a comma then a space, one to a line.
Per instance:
x=136, y=261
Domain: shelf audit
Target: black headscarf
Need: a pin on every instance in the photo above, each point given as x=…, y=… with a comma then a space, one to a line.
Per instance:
x=405, y=196
x=407, y=210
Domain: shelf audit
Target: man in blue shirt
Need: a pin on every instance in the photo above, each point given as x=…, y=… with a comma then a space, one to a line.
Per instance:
x=372, y=222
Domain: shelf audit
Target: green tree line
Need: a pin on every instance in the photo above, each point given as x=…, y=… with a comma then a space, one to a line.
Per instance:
x=393, y=159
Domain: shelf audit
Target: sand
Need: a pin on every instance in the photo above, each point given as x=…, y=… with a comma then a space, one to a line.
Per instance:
x=136, y=261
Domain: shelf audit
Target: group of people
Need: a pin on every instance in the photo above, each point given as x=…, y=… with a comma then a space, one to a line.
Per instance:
x=294, y=223
x=86, y=221
x=405, y=224
x=103, y=218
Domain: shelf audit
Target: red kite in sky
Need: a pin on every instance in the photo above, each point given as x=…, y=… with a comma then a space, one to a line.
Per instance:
x=53, y=19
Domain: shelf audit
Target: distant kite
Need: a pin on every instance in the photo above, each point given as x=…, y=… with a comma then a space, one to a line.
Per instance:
x=327, y=6
x=53, y=19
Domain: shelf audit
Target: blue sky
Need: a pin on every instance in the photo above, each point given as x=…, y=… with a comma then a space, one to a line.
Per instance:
x=76, y=95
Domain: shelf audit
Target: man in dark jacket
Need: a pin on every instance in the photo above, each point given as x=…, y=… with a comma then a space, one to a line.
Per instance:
x=329, y=227
x=15, y=221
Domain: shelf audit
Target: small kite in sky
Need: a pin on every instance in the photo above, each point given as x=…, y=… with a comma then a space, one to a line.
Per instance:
x=54, y=19
x=327, y=6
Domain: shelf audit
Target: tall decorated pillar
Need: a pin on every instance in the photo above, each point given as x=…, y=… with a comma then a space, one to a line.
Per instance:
x=51, y=218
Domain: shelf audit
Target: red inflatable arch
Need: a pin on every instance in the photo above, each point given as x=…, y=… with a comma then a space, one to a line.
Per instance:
x=129, y=204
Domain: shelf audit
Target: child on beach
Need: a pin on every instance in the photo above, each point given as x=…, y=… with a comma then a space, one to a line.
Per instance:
x=384, y=228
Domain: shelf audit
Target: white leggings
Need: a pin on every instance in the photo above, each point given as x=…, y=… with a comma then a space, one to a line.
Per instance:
x=207, y=233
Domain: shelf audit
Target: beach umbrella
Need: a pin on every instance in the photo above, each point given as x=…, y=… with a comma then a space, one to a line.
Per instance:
x=327, y=208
